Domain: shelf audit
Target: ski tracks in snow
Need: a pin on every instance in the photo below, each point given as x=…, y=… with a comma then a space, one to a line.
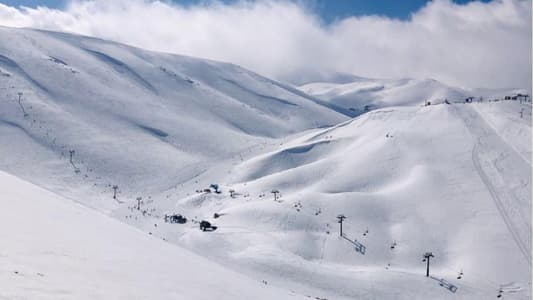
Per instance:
x=506, y=175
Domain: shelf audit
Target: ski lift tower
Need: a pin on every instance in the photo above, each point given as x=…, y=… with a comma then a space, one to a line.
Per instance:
x=341, y=219
x=139, y=200
x=115, y=188
x=276, y=194
x=427, y=257
x=20, y=104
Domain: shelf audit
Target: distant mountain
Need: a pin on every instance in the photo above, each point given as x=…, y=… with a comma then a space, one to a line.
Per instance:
x=360, y=93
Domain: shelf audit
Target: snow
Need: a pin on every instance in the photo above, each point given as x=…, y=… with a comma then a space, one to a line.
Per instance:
x=451, y=179
x=134, y=116
x=427, y=187
x=53, y=248
x=507, y=176
x=359, y=92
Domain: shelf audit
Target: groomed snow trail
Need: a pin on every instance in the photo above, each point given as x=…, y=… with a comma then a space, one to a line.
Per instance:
x=506, y=175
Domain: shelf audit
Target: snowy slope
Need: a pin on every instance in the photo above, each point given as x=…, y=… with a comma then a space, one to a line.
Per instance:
x=134, y=118
x=53, y=248
x=438, y=178
x=451, y=179
x=359, y=92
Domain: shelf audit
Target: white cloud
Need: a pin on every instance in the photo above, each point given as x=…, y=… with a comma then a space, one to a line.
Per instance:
x=474, y=45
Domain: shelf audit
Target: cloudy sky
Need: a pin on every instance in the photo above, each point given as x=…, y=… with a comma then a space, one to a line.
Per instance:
x=463, y=43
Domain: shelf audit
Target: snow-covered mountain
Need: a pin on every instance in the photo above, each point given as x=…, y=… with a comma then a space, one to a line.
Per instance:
x=359, y=94
x=454, y=180
x=133, y=117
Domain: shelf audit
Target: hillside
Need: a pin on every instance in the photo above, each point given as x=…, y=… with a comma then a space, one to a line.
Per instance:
x=53, y=248
x=134, y=118
x=356, y=93
x=450, y=179
x=212, y=141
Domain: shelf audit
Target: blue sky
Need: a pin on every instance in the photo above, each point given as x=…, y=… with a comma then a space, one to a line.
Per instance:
x=328, y=9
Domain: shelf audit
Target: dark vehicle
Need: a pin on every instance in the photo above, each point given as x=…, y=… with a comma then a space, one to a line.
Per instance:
x=206, y=226
x=177, y=218
x=215, y=187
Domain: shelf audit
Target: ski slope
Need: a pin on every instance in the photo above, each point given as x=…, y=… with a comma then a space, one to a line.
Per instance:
x=507, y=176
x=420, y=178
x=53, y=248
x=451, y=179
